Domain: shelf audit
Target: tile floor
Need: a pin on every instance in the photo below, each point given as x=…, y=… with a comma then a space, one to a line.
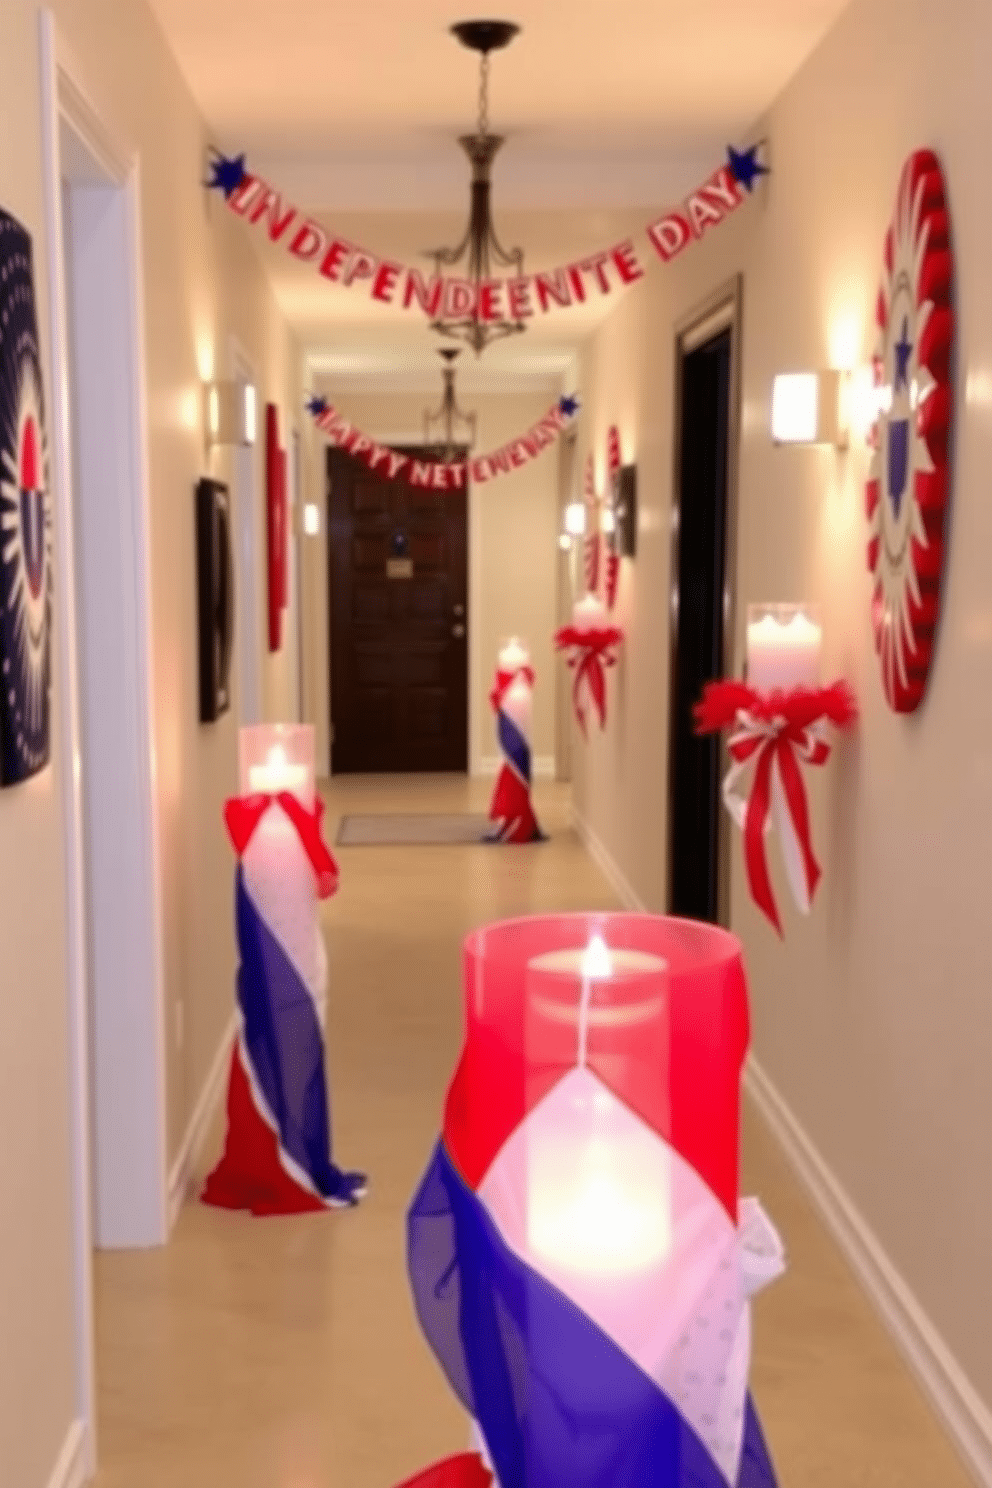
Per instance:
x=285, y=1353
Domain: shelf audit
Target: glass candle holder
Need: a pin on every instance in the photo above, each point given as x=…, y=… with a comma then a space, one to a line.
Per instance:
x=783, y=646
x=276, y=757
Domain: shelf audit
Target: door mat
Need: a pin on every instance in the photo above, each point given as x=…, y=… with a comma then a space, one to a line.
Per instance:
x=410, y=830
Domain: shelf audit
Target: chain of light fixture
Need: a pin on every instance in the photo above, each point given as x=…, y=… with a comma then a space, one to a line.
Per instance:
x=450, y=415
x=480, y=243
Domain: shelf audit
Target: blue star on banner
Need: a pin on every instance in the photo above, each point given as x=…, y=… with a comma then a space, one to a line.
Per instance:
x=316, y=406
x=903, y=350
x=745, y=166
x=229, y=171
x=568, y=406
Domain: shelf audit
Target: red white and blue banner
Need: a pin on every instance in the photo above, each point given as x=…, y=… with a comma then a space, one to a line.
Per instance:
x=277, y=1155
x=440, y=475
x=636, y=1381
x=511, y=807
x=773, y=737
x=343, y=263
x=26, y=565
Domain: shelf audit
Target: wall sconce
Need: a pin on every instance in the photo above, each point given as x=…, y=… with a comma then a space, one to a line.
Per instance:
x=311, y=519
x=574, y=524
x=810, y=408
x=231, y=413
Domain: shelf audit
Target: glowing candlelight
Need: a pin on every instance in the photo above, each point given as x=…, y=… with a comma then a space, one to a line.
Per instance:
x=277, y=774
x=783, y=649
x=589, y=613
x=513, y=655
x=598, y=1180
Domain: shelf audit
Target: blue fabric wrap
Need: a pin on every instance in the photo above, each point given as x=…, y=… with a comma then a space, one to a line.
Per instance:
x=558, y=1401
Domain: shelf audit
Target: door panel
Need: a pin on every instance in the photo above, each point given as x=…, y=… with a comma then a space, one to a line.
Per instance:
x=399, y=667
x=694, y=806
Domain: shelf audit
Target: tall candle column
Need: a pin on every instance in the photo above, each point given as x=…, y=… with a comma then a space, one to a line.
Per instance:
x=574, y=1249
x=512, y=698
x=277, y=1156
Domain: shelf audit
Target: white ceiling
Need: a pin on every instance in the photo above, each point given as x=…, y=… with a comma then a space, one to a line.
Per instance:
x=353, y=110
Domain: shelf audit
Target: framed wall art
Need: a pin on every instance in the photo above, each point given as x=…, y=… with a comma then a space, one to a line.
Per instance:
x=26, y=572
x=909, y=482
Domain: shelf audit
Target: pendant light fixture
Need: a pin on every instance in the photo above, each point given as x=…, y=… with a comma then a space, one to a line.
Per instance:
x=480, y=249
x=449, y=415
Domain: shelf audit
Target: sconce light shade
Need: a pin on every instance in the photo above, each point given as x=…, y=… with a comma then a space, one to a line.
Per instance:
x=807, y=408
x=231, y=413
x=311, y=519
x=575, y=519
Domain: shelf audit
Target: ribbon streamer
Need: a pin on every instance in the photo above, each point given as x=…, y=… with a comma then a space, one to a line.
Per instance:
x=775, y=734
x=590, y=653
x=511, y=805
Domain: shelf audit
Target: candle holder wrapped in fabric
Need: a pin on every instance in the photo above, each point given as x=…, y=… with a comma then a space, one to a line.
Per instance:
x=777, y=721
x=277, y=1154
x=512, y=698
x=591, y=643
x=579, y=1262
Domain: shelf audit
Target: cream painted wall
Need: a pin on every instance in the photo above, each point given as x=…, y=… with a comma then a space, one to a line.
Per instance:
x=513, y=527
x=36, y=1356
x=872, y=1019
x=202, y=284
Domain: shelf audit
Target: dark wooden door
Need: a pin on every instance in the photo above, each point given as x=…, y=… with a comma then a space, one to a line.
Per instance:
x=694, y=796
x=399, y=622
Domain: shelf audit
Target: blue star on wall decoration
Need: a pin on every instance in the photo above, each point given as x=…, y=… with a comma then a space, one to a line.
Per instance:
x=229, y=171
x=316, y=406
x=903, y=349
x=745, y=166
x=568, y=406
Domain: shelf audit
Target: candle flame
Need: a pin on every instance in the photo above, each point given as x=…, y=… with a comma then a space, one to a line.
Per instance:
x=596, y=962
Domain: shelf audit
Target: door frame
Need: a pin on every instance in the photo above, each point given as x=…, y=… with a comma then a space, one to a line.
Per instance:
x=64, y=102
x=721, y=310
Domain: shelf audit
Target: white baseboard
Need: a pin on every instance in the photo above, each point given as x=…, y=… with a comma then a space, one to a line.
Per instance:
x=73, y=1467
x=181, y=1173
x=964, y=1414
x=607, y=864
x=542, y=766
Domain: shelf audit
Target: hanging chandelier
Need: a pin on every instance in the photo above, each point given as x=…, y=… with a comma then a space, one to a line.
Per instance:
x=480, y=248
x=449, y=415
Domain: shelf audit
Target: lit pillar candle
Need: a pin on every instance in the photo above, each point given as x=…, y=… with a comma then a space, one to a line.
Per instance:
x=589, y=613
x=598, y=1200
x=783, y=648
x=513, y=655
x=278, y=873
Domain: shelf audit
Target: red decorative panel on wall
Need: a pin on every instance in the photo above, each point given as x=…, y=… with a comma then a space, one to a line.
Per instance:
x=275, y=521
x=909, y=484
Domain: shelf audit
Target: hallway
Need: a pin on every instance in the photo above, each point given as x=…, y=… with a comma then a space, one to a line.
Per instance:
x=285, y=1353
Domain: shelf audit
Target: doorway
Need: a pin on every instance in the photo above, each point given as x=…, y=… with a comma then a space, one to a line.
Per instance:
x=703, y=564
x=105, y=696
x=398, y=567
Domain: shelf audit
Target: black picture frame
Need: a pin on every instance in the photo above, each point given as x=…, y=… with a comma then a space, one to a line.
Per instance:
x=623, y=501
x=215, y=597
